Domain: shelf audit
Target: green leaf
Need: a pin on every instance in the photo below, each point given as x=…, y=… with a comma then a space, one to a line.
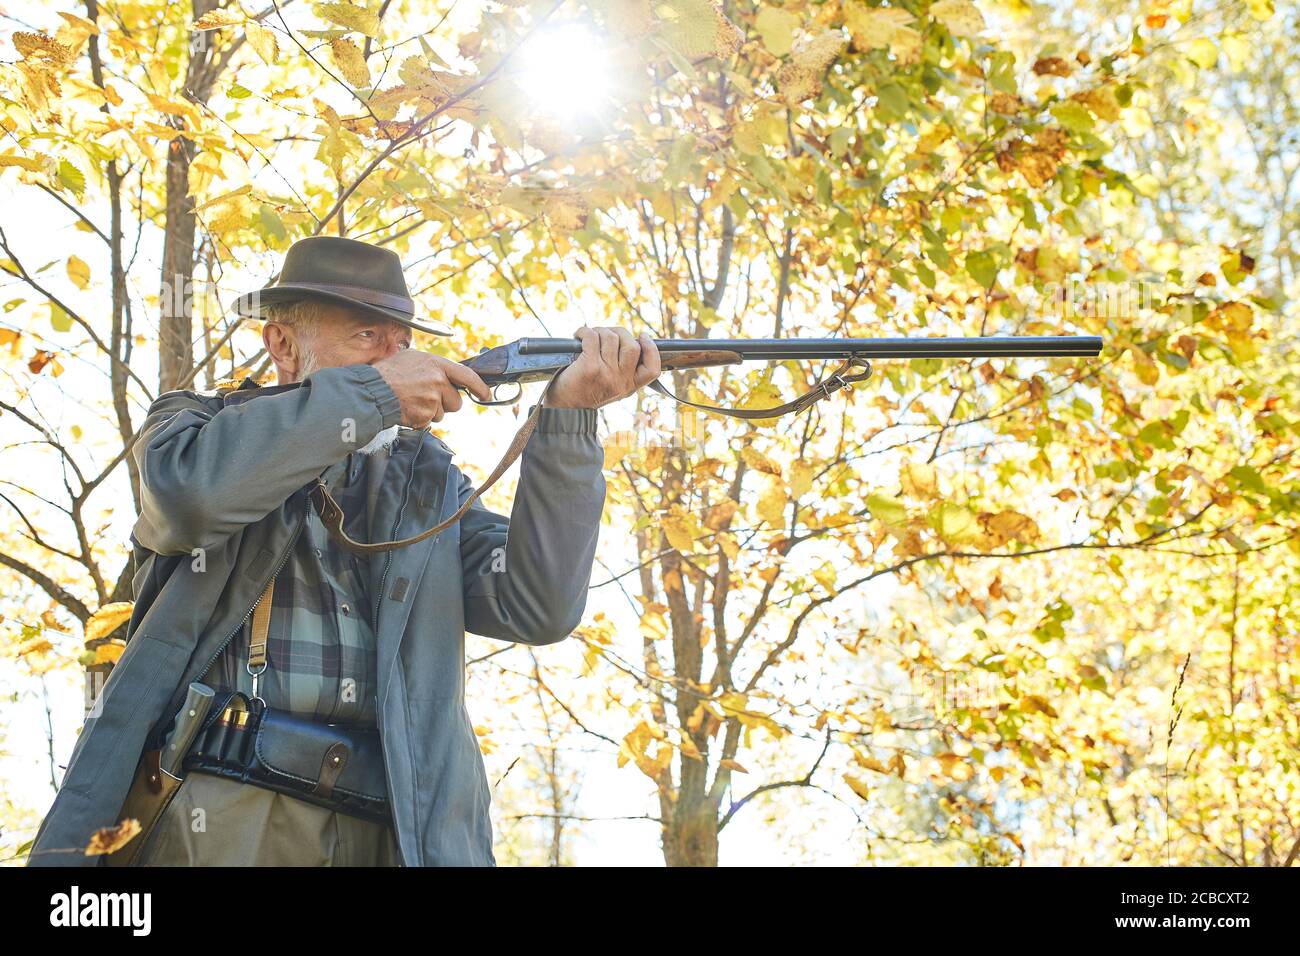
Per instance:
x=887, y=510
x=982, y=266
x=891, y=102
x=271, y=224
x=72, y=178
x=776, y=28
x=59, y=319
x=1073, y=116
x=1249, y=479
x=953, y=522
x=1001, y=71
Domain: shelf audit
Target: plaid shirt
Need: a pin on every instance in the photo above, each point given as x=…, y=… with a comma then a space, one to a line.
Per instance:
x=321, y=646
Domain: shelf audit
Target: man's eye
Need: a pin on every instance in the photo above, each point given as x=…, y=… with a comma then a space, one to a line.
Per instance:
x=367, y=332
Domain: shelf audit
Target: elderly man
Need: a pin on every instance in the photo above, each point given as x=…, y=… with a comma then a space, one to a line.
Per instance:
x=333, y=648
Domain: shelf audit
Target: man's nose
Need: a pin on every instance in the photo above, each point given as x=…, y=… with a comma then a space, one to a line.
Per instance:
x=392, y=345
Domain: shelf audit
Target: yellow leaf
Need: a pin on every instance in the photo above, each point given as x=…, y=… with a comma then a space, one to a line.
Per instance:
x=654, y=625
x=1203, y=52
x=107, y=839
x=36, y=645
x=800, y=79
x=729, y=545
x=1231, y=317
x=109, y=652
x=1102, y=102
x=41, y=47
x=78, y=272
x=697, y=28
x=216, y=19
x=875, y=28
x=108, y=619
x=871, y=763
x=732, y=765
x=262, y=40
x=955, y=767
x=1032, y=703
x=677, y=529
x=961, y=17
x=858, y=787
x=350, y=62
x=758, y=461
x=764, y=395
x=1010, y=524
x=33, y=164
x=801, y=476
x=351, y=16
x=771, y=506
x=918, y=480
x=1146, y=185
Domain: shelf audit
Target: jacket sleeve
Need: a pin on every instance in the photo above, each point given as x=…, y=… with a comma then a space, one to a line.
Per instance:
x=205, y=474
x=526, y=576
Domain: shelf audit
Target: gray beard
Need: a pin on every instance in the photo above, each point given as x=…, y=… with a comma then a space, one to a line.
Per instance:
x=381, y=442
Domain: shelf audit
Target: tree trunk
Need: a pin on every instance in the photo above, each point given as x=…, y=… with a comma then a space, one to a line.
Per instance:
x=691, y=834
x=176, y=330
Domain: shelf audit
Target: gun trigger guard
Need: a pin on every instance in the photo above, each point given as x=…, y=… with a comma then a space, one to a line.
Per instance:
x=519, y=390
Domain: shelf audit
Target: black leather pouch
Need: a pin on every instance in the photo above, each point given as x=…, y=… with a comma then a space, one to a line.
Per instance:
x=336, y=766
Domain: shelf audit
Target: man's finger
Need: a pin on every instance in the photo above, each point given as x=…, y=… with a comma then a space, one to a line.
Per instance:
x=608, y=346
x=651, y=364
x=451, y=400
x=464, y=376
x=629, y=353
x=590, y=342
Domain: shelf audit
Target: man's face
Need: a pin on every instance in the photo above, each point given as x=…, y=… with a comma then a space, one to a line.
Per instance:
x=348, y=336
x=340, y=335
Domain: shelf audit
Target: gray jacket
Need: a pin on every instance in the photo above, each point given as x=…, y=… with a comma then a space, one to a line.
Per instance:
x=226, y=483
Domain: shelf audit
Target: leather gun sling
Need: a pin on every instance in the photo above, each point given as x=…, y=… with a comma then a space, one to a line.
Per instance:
x=332, y=517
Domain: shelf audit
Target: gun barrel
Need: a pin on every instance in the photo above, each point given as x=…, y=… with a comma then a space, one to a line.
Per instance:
x=992, y=346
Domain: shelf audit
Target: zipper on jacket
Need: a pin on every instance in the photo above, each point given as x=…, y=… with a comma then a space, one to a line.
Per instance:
x=388, y=555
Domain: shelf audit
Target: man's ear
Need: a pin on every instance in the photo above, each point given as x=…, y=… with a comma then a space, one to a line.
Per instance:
x=283, y=349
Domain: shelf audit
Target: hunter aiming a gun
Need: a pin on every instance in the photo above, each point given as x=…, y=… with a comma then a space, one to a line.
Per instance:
x=294, y=676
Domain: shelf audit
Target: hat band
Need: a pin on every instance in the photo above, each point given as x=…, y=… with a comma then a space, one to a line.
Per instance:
x=369, y=296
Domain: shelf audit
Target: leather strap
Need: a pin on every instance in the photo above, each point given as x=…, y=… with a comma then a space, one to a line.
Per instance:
x=332, y=517
x=823, y=389
x=331, y=514
x=261, y=628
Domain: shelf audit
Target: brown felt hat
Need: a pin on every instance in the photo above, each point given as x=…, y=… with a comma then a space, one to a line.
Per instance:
x=341, y=270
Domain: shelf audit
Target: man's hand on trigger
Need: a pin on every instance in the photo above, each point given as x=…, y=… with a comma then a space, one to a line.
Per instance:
x=426, y=385
x=611, y=366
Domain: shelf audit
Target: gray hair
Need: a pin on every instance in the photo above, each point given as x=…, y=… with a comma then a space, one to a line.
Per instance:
x=302, y=316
